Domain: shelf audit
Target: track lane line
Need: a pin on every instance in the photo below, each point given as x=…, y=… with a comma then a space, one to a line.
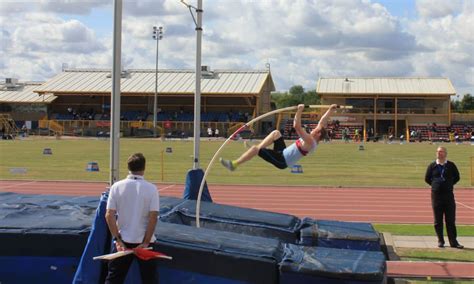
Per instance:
x=462, y=204
x=17, y=184
x=166, y=187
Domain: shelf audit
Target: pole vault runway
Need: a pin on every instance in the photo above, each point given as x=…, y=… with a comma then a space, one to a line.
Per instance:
x=375, y=205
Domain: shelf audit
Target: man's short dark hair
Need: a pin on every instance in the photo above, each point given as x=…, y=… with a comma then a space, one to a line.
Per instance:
x=136, y=162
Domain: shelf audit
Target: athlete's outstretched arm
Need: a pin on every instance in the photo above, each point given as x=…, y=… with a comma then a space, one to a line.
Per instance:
x=324, y=119
x=297, y=124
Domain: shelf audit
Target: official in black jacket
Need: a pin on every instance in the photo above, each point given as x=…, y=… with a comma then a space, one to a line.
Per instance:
x=442, y=175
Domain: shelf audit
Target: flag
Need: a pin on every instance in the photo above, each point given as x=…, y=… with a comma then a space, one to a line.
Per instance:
x=145, y=254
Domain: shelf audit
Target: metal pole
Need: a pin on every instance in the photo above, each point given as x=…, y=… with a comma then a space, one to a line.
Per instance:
x=162, y=166
x=197, y=95
x=156, y=89
x=157, y=35
x=115, y=96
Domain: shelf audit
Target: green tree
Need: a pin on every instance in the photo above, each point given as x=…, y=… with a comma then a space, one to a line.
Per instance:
x=297, y=90
x=283, y=99
x=312, y=98
x=464, y=105
x=456, y=106
x=467, y=103
x=295, y=96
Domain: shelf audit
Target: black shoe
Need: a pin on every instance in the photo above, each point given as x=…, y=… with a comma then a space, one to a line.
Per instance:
x=458, y=246
x=440, y=244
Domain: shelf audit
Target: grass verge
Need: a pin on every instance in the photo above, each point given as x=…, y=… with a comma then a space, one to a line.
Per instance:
x=446, y=254
x=420, y=230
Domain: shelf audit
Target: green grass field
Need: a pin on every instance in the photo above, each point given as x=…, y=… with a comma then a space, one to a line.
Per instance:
x=421, y=229
x=435, y=254
x=335, y=164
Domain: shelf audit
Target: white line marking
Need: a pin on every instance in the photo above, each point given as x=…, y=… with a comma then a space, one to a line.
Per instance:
x=17, y=184
x=462, y=204
x=169, y=186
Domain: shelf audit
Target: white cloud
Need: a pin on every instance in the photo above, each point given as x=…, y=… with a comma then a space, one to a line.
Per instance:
x=34, y=45
x=77, y=7
x=301, y=39
x=438, y=8
x=449, y=40
x=63, y=36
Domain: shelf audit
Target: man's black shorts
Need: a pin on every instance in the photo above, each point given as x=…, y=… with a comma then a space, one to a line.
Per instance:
x=275, y=156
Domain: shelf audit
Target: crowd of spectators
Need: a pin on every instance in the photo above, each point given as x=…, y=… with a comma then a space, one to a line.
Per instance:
x=180, y=115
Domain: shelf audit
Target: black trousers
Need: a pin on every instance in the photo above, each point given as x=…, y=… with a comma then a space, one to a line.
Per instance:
x=444, y=205
x=275, y=156
x=118, y=268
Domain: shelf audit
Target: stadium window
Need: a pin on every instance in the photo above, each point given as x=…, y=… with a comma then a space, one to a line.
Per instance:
x=364, y=105
x=410, y=106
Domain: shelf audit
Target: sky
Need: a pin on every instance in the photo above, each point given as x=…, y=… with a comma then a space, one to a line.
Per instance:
x=301, y=40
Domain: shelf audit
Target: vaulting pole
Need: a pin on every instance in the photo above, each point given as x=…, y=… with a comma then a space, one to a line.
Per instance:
x=247, y=125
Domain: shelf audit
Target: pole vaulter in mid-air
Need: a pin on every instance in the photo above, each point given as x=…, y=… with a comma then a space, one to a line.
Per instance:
x=281, y=156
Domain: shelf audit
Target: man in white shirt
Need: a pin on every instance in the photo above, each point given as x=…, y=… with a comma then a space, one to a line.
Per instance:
x=132, y=213
x=209, y=131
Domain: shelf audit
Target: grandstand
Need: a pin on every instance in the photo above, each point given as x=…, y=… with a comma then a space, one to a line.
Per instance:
x=20, y=106
x=77, y=102
x=394, y=106
x=21, y=103
x=229, y=97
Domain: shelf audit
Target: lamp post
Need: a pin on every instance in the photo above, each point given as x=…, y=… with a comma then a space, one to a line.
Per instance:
x=157, y=35
x=197, y=93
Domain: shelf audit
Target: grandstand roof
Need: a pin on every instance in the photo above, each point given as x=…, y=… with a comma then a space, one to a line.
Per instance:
x=385, y=86
x=23, y=93
x=170, y=82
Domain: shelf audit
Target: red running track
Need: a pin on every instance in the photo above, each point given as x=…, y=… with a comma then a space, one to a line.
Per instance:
x=374, y=205
x=437, y=270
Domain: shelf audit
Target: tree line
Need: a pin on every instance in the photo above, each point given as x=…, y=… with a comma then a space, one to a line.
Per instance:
x=466, y=104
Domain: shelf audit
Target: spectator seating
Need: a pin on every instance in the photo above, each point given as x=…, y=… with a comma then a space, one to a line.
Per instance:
x=59, y=116
x=463, y=130
x=439, y=133
x=352, y=127
x=134, y=115
x=337, y=132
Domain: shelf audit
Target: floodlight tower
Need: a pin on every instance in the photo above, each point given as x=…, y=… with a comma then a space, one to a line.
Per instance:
x=197, y=92
x=157, y=35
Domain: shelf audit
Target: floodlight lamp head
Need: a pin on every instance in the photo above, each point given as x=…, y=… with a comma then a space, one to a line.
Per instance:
x=184, y=3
